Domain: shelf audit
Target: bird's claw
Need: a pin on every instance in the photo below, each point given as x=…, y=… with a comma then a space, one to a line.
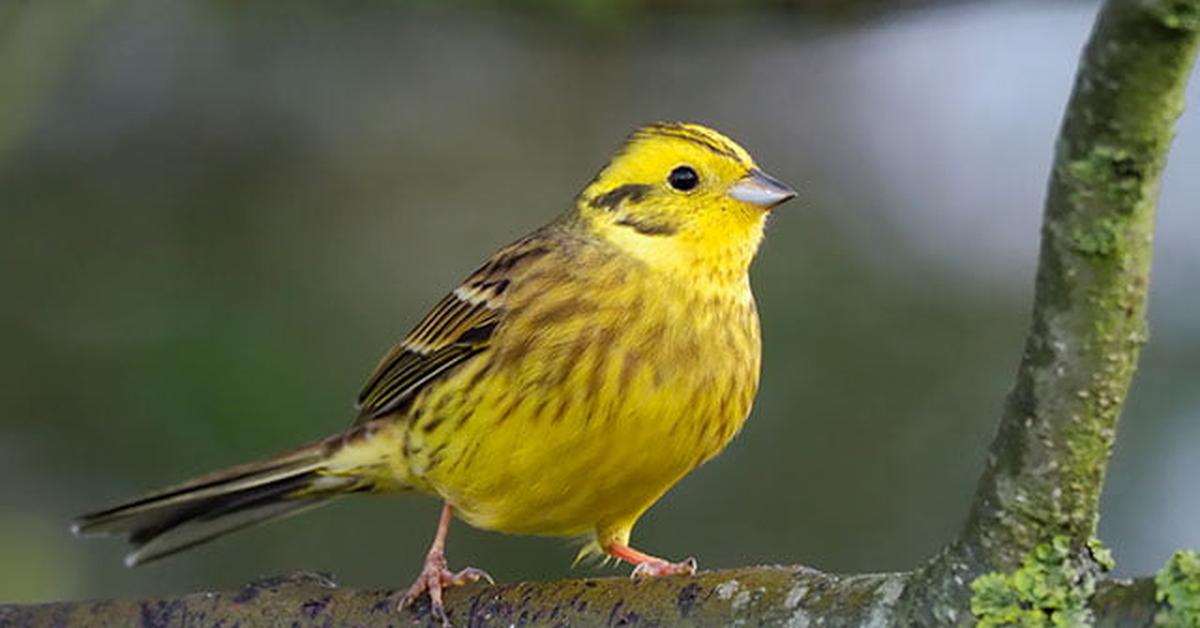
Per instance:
x=655, y=568
x=434, y=578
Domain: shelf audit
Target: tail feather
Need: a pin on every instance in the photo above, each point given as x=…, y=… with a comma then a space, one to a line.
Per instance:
x=194, y=531
x=179, y=517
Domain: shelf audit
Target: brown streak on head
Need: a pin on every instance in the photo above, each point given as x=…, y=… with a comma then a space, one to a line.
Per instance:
x=649, y=228
x=680, y=131
x=611, y=199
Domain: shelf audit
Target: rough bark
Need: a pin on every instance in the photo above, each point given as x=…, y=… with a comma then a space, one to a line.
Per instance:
x=773, y=596
x=1045, y=468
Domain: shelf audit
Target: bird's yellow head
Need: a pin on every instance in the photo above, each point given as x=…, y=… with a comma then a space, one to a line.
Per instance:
x=682, y=197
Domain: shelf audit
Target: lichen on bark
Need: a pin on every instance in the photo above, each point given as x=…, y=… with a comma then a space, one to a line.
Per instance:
x=1052, y=587
x=1177, y=589
x=1046, y=467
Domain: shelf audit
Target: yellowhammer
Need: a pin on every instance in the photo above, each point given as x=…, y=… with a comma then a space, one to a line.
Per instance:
x=560, y=390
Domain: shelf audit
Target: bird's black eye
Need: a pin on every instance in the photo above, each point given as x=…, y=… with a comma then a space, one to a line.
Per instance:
x=683, y=178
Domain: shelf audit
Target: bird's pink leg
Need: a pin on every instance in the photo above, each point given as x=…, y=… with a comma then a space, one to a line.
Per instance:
x=435, y=576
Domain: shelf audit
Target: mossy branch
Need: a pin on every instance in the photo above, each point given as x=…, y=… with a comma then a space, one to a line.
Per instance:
x=757, y=596
x=1045, y=469
x=1026, y=544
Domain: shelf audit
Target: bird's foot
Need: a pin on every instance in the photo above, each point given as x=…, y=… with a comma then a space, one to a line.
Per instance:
x=656, y=567
x=435, y=576
x=647, y=566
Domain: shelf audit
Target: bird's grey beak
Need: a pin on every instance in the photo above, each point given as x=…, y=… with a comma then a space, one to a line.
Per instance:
x=760, y=188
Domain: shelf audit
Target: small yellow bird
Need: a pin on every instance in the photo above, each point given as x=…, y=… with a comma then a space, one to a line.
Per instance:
x=560, y=390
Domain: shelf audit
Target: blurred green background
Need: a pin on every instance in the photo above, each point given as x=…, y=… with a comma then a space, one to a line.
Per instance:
x=214, y=218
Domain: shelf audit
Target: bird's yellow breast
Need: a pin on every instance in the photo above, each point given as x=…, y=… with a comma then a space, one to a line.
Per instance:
x=601, y=390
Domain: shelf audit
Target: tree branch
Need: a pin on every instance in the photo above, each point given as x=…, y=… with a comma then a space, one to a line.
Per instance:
x=1045, y=468
x=792, y=596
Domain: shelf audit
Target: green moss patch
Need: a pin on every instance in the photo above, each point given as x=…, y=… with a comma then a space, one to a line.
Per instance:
x=1099, y=239
x=1177, y=14
x=1050, y=588
x=1109, y=175
x=1177, y=587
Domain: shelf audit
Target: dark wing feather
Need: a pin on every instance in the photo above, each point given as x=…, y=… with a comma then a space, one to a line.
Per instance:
x=452, y=333
x=456, y=330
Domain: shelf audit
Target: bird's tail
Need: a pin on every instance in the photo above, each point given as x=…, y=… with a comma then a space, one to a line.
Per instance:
x=185, y=515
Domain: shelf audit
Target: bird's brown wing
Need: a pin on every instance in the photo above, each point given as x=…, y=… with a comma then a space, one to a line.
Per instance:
x=457, y=329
